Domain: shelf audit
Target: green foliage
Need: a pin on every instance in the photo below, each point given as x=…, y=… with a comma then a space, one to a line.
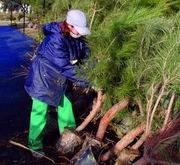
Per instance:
x=118, y=42
x=134, y=43
x=37, y=7
x=59, y=5
x=164, y=59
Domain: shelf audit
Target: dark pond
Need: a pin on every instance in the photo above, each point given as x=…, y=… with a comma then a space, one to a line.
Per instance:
x=14, y=102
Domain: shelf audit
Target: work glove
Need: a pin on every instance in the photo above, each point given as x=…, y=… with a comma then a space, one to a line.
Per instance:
x=73, y=62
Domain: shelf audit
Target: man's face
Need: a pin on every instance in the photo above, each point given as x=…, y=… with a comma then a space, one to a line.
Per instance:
x=73, y=32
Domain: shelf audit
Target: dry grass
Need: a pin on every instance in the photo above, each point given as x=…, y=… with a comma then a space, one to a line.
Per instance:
x=30, y=32
x=4, y=22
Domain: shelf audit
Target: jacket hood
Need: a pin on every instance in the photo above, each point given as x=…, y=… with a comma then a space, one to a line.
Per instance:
x=50, y=28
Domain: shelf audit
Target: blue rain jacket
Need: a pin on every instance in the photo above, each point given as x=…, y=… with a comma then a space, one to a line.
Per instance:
x=51, y=68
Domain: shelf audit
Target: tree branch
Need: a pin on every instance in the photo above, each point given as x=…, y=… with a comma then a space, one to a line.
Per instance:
x=169, y=110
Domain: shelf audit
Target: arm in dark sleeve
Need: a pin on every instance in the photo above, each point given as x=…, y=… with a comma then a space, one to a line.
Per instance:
x=61, y=59
x=50, y=28
x=85, y=53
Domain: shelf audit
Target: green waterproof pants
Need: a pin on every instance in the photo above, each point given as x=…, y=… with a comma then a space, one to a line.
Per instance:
x=39, y=117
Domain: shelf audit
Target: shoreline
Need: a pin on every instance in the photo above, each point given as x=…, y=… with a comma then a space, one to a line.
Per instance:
x=31, y=32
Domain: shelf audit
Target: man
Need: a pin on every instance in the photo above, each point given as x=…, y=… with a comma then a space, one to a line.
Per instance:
x=57, y=59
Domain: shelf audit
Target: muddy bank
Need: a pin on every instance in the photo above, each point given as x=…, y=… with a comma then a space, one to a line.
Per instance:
x=11, y=154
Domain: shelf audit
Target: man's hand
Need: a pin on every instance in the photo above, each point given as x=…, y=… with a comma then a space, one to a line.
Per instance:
x=86, y=90
x=95, y=88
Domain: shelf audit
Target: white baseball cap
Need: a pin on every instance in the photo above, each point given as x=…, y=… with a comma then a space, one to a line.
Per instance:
x=77, y=18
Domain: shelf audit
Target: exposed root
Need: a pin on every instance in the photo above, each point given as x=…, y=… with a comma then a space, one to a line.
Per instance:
x=95, y=109
x=139, y=142
x=126, y=157
x=109, y=116
x=124, y=142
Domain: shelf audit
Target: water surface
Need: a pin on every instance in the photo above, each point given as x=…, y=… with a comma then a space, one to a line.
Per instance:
x=14, y=102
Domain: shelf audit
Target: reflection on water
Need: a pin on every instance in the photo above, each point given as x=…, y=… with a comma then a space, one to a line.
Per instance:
x=14, y=102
